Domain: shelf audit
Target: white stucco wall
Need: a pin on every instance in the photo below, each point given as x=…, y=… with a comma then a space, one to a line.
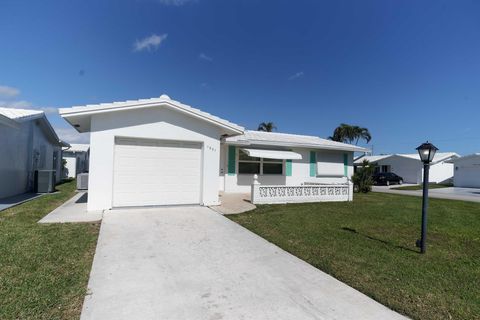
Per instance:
x=22, y=149
x=241, y=183
x=163, y=124
x=467, y=173
x=14, y=164
x=441, y=172
x=76, y=163
x=411, y=170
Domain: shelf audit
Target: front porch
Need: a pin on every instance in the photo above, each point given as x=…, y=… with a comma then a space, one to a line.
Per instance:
x=233, y=203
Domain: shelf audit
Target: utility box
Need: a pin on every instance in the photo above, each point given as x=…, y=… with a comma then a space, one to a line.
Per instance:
x=82, y=181
x=44, y=181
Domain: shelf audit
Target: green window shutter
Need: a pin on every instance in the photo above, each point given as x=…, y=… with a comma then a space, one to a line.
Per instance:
x=313, y=160
x=288, y=168
x=232, y=157
x=345, y=164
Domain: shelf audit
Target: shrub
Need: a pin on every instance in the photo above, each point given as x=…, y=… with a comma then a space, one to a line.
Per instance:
x=362, y=179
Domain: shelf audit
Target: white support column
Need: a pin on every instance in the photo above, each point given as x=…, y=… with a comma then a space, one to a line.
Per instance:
x=255, y=189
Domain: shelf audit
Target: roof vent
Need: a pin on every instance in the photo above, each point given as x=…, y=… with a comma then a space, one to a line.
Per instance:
x=164, y=96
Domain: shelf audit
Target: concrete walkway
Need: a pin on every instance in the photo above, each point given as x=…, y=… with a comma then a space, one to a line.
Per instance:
x=233, y=203
x=192, y=263
x=74, y=210
x=452, y=193
x=9, y=202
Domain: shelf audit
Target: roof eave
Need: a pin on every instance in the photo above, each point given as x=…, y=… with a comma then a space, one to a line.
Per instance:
x=295, y=145
x=67, y=113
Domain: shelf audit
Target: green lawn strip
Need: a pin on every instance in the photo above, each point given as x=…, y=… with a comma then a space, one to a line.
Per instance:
x=369, y=244
x=44, y=268
x=420, y=187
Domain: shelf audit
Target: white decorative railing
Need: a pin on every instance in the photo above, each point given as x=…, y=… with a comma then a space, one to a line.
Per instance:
x=264, y=194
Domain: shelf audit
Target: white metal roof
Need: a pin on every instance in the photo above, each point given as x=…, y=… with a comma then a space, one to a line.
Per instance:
x=371, y=159
x=273, y=154
x=250, y=137
x=470, y=156
x=74, y=113
x=20, y=114
x=76, y=147
x=439, y=156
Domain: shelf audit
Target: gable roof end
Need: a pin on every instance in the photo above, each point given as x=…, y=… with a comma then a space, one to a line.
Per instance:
x=79, y=117
x=18, y=116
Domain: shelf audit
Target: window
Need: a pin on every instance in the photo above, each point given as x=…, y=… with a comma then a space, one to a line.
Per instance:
x=385, y=168
x=252, y=165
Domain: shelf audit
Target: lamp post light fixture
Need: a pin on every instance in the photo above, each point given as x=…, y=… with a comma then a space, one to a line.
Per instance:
x=427, y=152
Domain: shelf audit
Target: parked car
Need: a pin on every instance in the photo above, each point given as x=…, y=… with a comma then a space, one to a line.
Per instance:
x=387, y=178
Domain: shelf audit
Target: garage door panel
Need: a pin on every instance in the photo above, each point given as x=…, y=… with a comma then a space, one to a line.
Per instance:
x=151, y=172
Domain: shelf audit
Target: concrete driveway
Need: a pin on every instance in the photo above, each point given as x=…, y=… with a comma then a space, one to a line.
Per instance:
x=193, y=263
x=450, y=193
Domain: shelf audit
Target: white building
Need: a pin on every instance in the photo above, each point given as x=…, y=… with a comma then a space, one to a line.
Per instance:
x=28, y=143
x=161, y=152
x=410, y=167
x=467, y=171
x=76, y=159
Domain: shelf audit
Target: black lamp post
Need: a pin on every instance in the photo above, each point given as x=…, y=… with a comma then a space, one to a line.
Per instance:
x=427, y=152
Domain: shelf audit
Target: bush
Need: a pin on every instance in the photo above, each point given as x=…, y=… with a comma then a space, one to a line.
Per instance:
x=362, y=179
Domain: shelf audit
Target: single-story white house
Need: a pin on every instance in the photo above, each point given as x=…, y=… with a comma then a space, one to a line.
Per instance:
x=410, y=167
x=161, y=152
x=28, y=143
x=76, y=159
x=467, y=171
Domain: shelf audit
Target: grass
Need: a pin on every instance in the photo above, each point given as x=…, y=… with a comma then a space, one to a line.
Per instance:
x=369, y=244
x=420, y=187
x=44, y=268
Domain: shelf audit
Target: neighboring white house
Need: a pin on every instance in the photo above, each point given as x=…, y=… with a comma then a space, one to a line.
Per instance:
x=76, y=159
x=161, y=152
x=28, y=143
x=467, y=171
x=410, y=168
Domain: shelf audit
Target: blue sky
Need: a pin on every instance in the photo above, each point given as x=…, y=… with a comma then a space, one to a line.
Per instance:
x=407, y=70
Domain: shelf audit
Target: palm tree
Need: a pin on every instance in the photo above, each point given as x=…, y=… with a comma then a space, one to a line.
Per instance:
x=267, y=126
x=348, y=134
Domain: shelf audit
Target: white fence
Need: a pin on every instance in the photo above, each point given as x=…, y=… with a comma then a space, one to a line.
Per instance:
x=264, y=194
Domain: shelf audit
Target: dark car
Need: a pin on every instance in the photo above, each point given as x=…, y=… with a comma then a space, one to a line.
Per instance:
x=387, y=178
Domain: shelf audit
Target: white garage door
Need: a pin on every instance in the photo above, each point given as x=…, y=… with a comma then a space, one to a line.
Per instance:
x=154, y=172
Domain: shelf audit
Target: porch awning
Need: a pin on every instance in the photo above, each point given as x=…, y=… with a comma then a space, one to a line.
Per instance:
x=272, y=154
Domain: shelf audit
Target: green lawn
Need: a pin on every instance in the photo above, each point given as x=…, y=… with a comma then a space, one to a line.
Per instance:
x=44, y=268
x=420, y=187
x=369, y=244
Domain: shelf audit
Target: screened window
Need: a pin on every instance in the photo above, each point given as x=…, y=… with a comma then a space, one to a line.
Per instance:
x=252, y=165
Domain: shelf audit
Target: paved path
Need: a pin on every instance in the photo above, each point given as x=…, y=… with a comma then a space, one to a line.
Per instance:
x=9, y=202
x=234, y=203
x=464, y=194
x=192, y=263
x=73, y=210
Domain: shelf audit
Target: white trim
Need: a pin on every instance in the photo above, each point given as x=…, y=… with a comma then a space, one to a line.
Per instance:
x=88, y=110
x=272, y=154
x=261, y=161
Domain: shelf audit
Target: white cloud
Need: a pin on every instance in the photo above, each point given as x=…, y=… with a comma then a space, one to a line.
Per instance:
x=149, y=43
x=16, y=104
x=22, y=104
x=204, y=57
x=7, y=91
x=71, y=135
x=175, y=2
x=296, y=75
